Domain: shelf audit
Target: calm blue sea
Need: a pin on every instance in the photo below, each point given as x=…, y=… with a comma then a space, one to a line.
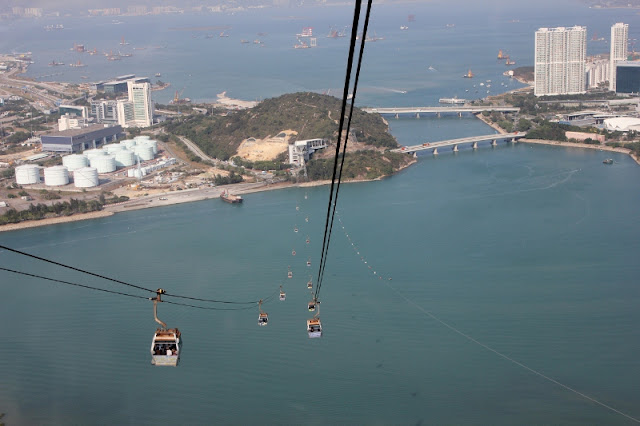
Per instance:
x=530, y=250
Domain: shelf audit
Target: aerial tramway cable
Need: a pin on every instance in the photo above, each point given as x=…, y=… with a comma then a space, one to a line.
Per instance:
x=123, y=282
x=331, y=207
x=128, y=294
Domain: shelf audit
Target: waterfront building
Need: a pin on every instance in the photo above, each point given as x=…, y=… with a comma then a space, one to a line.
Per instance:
x=77, y=140
x=300, y=151
x=628, y=77
x=140, y=97
x=560, y=61
x=597, y=70
x=619, y=40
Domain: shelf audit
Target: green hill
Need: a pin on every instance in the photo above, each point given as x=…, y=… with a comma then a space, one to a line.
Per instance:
x=310, y=114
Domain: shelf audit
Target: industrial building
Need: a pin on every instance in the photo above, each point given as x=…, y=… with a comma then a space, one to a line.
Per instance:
x=300, y=152
x=77, y=140
x=560, y=55
x=628, y=77
x=135, y=111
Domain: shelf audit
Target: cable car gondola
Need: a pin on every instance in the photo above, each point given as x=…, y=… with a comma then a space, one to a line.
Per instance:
x=295, y=229
x=166, y=343
x=312, y=305
x=309, y=284
x=309, y=262
x=263, y=318
x=283, y=295
x=289, y=274
x=314, y=328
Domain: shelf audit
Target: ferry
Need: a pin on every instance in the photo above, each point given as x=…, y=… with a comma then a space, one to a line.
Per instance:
x=453, y=100
x=469, y=74
x=231, y=199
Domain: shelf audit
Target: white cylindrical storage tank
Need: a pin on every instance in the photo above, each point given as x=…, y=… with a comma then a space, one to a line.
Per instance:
x=145, y=152
x=74, y=161
x=56, y=176
x=153, y=144
x=91, y=153
x=104, y=164
x=27, y=174
x=85, y=177
x=129, y=143
x=125, y=158
x=113, y=148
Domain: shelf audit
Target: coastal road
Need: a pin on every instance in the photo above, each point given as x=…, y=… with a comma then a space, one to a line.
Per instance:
x=185, y=196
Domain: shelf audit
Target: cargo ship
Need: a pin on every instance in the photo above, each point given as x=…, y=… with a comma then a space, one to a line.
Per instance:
x=229, y=198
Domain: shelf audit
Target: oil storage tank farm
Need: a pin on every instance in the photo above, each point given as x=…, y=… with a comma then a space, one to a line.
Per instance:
x=27, y=174
x=86, y=177
x=144, y=152
x=56, y=176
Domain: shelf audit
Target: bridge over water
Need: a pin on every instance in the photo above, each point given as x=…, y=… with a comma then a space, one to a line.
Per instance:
x=512, y=137
x=439, y=110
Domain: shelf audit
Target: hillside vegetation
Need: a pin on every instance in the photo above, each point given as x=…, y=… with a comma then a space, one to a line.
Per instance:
x=311, y=115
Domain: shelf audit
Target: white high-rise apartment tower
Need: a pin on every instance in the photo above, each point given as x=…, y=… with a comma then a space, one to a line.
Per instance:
x=560, y=55
x=140, y=97
x=619, y=39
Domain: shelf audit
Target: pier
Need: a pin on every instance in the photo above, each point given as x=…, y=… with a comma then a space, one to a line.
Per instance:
x=433, y=146
x=397, y=111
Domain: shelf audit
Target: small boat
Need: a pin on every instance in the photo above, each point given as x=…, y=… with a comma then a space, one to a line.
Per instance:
x=608, y=161
x=158, y=74
x=229, y=198
x=469, y=74
x=404, y=27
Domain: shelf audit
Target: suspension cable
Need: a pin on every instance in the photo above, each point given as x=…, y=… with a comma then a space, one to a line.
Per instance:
x=344, y=151
x=345, y=94
x=123, y=282
x=128, y=294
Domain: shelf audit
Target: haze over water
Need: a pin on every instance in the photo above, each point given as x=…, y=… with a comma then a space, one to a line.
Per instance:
x=532, y=250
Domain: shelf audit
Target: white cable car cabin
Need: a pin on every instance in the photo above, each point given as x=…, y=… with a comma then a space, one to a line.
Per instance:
x=263, y=318
x=309, y=262
x=166, y=344
x=289, y=274
x=283, y=295
x=314, y=328
x=166, y=347
x=309, y=284
x=312, y=305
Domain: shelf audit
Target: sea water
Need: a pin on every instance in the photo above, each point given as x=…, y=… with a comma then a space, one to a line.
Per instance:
x=530, y=250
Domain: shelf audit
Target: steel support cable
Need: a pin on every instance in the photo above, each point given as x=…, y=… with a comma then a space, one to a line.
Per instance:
x=346, y=140
x=128, y=294
x=345, y=94
x=122, y=282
